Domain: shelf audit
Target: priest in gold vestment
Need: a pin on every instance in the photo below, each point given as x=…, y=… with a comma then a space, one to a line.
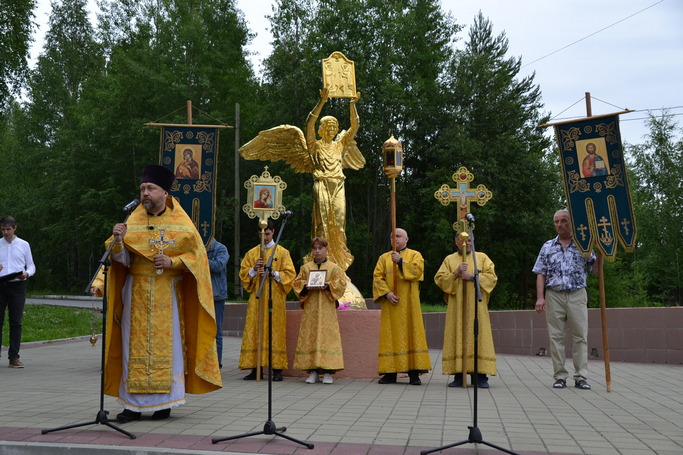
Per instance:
x=161, y=329
x=283, y=273
x=402, y=340
x=451, y=276
x=319, y=345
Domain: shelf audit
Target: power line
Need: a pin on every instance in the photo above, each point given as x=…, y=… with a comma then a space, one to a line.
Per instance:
x=592, y=34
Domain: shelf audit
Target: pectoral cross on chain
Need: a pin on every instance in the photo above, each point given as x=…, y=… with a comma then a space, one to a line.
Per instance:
x=463, y=193
x=160, y=243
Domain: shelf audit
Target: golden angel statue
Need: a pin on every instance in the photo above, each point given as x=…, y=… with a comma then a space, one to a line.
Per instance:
x=326, y=159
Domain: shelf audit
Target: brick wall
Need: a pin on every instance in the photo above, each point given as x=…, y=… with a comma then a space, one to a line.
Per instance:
x=643, y=335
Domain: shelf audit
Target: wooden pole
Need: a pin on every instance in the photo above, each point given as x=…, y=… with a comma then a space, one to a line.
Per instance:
x=189, y=112
x=238, y=204
x=601, y=287
x=465, y=312
x=392, y=180
x=261, y=306
x=603, y=314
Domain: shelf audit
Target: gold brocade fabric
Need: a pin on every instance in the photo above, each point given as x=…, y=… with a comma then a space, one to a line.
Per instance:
x=452, y=345
x=282, y=263
x=329, y=216
x=402, y=340
x=151, y=330
x=319, y=344
x=151, y=305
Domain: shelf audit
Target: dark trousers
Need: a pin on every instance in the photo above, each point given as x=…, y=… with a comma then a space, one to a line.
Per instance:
x=13, y=297
x=219, y=306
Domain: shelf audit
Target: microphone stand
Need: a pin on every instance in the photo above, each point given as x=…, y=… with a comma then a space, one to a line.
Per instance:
x=269, y=428
x=475, y=434
x=101, y=417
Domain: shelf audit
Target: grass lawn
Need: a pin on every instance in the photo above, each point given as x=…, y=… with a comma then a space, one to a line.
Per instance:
x=46, y=322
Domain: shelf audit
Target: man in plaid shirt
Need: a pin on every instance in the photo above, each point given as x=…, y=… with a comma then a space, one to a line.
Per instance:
x=561, y=273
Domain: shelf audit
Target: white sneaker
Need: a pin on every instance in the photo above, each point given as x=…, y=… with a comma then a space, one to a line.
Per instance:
x=312, y=377
x=327, y=378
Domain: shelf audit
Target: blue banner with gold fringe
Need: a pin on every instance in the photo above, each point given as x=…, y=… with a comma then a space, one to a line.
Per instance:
x=596, y=184
x=191, y=152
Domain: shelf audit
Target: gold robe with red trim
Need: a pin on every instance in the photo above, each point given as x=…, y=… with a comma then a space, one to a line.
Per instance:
x=150, y=364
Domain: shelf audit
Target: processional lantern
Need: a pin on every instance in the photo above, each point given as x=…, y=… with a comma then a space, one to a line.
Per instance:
x=392, y=164
x=392, y=157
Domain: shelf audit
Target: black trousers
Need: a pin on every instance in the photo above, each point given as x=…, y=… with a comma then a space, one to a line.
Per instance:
x=13, y=298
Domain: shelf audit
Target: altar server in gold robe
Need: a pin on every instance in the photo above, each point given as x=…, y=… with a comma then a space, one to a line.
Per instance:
x=451, y=276
x=402, y=340
x=161, y=329
x=251, y=274
x=319, y=285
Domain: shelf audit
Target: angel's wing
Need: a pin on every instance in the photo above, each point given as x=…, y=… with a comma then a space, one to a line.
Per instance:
x=353, y=158
x=284, y=142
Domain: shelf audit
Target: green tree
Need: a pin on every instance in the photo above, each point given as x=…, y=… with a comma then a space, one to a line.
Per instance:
x=162, y=54
x=400, y=49
x=82, y=128
x=15, y=39
x=492, y=131
x=57, y=147
x=658, y=198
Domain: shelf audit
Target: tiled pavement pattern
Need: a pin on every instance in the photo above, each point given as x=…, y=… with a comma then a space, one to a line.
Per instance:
x=521, y=412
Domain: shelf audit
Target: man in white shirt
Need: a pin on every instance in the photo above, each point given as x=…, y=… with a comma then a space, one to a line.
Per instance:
x=16, y=265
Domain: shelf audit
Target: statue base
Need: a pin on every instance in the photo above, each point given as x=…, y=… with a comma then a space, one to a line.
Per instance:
x=352, y=298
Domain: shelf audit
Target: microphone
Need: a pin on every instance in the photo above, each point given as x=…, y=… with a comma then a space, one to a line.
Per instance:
x=287, y=213
x=469, y=217
x=131, y=205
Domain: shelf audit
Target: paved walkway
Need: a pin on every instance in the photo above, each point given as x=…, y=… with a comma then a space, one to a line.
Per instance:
x=521, y=412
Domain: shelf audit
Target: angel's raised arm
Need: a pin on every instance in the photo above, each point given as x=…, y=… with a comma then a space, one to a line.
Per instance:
x=311, y=136
x=355, y=120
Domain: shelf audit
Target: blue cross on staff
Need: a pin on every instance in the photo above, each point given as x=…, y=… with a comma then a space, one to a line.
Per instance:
x=160, y=244
x=463, y=193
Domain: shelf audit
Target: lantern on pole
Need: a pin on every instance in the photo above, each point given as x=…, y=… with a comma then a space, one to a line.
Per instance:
x=392, y=165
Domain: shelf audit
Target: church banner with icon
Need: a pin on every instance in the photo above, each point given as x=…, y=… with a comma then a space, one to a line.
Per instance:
x=191, y=152
x=596, y=184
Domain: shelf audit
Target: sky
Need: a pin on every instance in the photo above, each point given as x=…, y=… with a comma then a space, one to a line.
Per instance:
x=626, y=54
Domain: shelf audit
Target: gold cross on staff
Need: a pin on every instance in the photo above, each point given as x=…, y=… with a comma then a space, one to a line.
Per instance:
x=160, y=244
x=463, y=193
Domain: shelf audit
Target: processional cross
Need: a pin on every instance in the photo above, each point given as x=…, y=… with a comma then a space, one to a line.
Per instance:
x=463, y=193
x=160, y=244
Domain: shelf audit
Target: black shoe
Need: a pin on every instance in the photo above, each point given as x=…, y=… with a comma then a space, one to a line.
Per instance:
x=252, y=376
x=581, y=384
x=483, y=382
x=414, y=377
x=162, y=414
x=388, y=378
x=128, y=416
x=277, y=375
x=560, y=384
x=457, y=381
